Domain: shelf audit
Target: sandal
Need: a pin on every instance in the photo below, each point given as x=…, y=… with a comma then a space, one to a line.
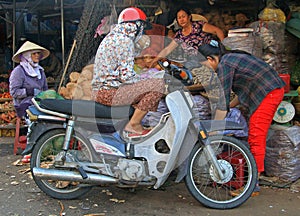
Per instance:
x=26, y=159
x=130, y=134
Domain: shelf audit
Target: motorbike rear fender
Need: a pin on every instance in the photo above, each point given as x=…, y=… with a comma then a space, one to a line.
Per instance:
x=36, y=130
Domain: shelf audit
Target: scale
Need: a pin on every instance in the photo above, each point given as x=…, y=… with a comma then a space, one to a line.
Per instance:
x=285, y=111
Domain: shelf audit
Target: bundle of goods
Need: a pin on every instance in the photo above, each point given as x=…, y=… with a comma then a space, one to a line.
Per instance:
x=244, y=39
x=205, y=83
x=272, y=35
x=226, y=21
x=79, y=86
x=283, y=154
x=271, y=29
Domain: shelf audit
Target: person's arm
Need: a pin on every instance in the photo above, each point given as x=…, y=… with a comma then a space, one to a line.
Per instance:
x=213, y=30
x=234, y=102
x=45, y=84
x=16, y=80
x=166, y=51
x=220, y=114
x=225, y=75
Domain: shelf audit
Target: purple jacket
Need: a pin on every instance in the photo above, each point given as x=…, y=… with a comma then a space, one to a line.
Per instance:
x=19, y=81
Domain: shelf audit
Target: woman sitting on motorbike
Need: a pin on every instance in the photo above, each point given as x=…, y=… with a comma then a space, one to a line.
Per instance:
x=115, y=82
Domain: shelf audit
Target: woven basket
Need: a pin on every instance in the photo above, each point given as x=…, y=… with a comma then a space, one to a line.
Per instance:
x=297, y=107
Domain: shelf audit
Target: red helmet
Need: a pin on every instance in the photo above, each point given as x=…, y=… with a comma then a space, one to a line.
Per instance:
x=132, y=14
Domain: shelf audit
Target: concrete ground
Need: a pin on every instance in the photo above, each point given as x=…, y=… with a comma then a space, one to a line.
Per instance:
x=20, y=196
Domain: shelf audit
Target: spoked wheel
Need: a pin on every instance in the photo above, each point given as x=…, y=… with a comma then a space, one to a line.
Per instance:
x=238, y=168
x=43, y=155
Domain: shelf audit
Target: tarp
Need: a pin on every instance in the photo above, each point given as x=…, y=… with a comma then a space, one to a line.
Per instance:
x=293, y=25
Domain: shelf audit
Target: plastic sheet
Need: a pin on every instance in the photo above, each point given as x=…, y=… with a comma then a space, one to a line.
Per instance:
x=201, y=110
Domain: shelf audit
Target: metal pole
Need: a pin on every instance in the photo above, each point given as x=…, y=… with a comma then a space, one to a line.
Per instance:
x=66, y=67
x=14, y=31
x=62, y=33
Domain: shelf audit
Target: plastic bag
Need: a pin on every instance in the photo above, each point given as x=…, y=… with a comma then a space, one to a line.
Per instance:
x=201, y=109
x=236, y=116
x=49, y=94
x=106, y=23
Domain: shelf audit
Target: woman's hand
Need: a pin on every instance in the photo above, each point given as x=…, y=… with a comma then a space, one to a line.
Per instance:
x=235, y=101
x=30, y=91
x=153, y=63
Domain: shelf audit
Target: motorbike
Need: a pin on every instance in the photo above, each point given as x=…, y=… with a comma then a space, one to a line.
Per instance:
x=76, y=145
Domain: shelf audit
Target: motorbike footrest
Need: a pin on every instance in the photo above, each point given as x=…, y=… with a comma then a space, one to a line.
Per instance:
x=82, y=173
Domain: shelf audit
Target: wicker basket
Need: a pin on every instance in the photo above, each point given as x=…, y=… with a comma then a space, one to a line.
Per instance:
x=297, y=107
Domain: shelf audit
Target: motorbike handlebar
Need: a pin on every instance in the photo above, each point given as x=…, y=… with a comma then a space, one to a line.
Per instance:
x=180, y=73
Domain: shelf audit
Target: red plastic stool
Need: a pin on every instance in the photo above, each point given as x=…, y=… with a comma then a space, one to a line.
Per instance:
x=20, y=140
x=238, y=163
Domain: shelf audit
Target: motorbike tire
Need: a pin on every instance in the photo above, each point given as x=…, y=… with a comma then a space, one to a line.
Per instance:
x=240, y=173
x=44, y=152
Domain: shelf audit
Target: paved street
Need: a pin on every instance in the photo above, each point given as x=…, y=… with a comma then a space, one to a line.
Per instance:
x=20, y=196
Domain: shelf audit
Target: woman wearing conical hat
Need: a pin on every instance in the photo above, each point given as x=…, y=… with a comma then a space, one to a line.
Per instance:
x=28, y=78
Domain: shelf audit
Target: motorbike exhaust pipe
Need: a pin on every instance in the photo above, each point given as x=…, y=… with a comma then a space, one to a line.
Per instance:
x=63, y=175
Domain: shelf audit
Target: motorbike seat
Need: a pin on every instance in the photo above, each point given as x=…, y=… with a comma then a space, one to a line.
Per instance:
x=86, y=108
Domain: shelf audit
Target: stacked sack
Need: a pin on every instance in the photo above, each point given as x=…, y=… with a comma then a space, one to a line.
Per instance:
x=271, y=29
x=283, y=154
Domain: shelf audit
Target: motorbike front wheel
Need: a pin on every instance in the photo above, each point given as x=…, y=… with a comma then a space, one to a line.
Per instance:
x=238, y=168
x=43, y=155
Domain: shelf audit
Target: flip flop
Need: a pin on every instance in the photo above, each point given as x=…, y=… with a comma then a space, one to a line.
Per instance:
x=131, y=134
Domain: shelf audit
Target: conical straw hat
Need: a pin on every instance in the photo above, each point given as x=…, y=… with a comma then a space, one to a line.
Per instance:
x=30, y=46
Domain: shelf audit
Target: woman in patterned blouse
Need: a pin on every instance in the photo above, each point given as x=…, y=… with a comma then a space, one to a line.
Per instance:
x=115, y=82
x=191, y=36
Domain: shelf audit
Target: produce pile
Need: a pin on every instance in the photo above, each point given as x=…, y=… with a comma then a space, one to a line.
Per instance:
x=79, y=86
x=7, y=111
x=5, y=95
x=3, y=88
x=9, y=116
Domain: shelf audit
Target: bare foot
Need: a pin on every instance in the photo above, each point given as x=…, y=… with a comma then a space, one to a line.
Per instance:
x=138, y=128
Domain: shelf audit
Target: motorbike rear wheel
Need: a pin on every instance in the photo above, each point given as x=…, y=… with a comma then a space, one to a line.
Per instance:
x=43, y=155
x=239, y=169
